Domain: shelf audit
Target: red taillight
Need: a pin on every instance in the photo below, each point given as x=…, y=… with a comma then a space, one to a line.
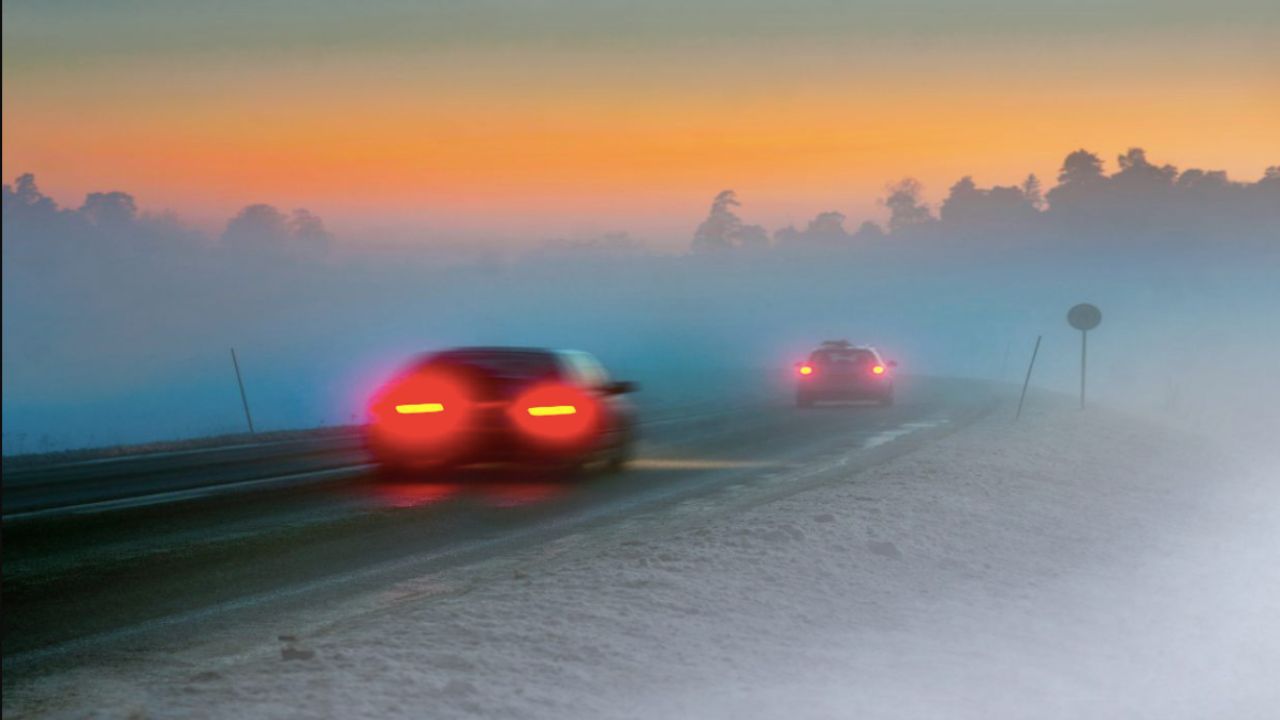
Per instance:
x=419, y=408
x=806, y=370
x=424, y=408
x=555, y=413
x=877, y=369
x=552, y=410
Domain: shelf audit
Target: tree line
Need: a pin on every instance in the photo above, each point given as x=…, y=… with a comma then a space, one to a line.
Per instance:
x=1139, y=199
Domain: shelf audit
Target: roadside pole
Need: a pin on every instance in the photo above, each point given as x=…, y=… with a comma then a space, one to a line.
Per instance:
x=1084, y=317
x=1027, y=380
x=1084, y=354
x=244, y=400
x=1004, y=363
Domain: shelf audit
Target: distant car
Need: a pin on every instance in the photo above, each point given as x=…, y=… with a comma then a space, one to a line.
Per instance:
x=549, y=408
x=838, y=370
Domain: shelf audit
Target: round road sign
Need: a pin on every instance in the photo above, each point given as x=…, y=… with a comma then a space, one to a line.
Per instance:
x=1084, y=317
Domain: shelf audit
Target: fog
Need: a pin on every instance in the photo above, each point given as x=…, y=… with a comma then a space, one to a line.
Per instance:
x=117, y=322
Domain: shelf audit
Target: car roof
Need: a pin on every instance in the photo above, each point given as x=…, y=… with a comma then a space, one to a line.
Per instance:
x=455, y=353
x=561, y=355
x=508, y=350
x=496, y=350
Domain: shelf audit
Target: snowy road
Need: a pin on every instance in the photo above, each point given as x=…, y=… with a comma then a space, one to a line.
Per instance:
x=84, y=586
x=929, y=561
x=1071, y=565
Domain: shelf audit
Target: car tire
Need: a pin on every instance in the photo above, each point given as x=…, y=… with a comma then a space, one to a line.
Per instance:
x=621, y=454
x=558, y=470
x=618, y=460
x=567, y=471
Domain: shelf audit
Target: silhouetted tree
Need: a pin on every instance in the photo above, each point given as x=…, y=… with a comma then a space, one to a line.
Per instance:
x=309, y=230
x=24, y=196
x=1081, y=168
x=723, y=229
x=262, y=229
x=905, y=208
x=1195, y=179
x=788, y=236
x=968, y=204
x=961, y=202
x=1080, y=183
x=828, y=225
x=717, y=231
x=256, y=226
x=109, y=208
x=868, y=231
x=1138, y=174
x=1032, y=192
x=825, y=230
x=1264, y=196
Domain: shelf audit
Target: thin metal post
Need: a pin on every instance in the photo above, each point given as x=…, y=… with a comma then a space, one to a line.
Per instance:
x=1004, y=364
x=1084, y=351
x=244, y=400
x=1035, y=351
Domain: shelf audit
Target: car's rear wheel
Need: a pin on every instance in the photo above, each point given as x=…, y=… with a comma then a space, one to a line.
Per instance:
x=620, y=455
x=560, y=470
x=617, y=462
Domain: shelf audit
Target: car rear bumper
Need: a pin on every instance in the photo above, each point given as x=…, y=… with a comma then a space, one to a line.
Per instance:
x=862, y=391
x=476, y=446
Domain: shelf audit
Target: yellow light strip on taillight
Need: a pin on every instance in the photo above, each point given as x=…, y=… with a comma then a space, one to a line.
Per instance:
x=419, y=408
x=549, y=410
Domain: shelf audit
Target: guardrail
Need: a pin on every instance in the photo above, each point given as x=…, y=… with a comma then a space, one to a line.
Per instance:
x=93, y=481
x=45, y=491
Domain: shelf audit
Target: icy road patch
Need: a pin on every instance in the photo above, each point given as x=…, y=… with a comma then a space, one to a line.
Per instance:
x=1074, y=565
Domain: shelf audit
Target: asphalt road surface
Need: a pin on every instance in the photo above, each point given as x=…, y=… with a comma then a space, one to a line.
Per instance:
x=100, y=557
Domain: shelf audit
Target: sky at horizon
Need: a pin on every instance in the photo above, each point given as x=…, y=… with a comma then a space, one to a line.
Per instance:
x=559, y=118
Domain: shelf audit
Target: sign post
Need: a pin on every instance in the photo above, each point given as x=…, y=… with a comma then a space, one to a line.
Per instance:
x=1027, y=381
x=244, y=399
x=1084, y=317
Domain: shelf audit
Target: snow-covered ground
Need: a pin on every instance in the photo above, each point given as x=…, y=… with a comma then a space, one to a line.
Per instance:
x=1074, y=565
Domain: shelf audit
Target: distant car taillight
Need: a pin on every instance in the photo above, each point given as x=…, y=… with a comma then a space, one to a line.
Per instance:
x=806, y=369
x=555, y=413
x=877, y=369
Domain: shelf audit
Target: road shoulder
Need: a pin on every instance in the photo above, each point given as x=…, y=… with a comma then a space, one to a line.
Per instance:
x=1082, y=558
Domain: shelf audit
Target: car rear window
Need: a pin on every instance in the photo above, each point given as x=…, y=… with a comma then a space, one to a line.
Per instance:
x=507, y=365
x=842, y=357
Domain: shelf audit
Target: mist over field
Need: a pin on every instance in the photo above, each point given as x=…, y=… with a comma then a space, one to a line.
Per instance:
x=117, y=322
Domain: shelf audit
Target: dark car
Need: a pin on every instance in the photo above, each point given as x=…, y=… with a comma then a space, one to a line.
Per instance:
x=550, y=408
x=839, y=371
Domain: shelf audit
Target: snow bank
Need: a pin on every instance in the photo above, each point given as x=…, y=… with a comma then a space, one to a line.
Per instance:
x=1075, y=565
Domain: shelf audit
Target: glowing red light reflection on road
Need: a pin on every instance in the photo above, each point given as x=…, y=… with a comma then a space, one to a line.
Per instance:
x=416, y=494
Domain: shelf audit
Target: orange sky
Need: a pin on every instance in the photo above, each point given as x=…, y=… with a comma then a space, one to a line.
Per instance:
x=516, y=137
